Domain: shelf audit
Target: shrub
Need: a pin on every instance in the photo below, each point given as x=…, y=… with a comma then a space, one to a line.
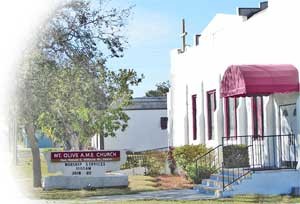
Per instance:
x=187, y=154
x=185, y=157
x=202, y=172
x=133, y=160
x=236, y=156
x=155, y=162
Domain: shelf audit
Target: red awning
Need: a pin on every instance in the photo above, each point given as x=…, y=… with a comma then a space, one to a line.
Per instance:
x=250, y=80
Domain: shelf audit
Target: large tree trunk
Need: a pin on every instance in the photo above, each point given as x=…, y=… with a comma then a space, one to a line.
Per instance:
x=36, y=160
x=74, y=141
x=101, y=141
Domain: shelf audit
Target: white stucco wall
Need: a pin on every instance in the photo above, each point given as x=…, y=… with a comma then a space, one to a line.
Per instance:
x=267, y=183
x=269, y=37
x=143, y=132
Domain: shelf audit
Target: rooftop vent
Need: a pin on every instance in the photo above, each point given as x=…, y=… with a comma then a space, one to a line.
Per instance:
x=249, y=12
x=197, y=37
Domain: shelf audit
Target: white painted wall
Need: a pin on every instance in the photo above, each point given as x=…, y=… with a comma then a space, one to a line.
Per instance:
x=143, y=132
x=267, y=183
x=269, y=37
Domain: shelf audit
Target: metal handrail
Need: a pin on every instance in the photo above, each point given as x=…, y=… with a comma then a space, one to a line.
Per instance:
x=216, y=162
x=201, y=156
x=257, y=145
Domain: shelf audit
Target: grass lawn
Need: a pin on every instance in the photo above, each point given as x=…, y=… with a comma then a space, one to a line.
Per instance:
x=245, y=199
x=137, y=184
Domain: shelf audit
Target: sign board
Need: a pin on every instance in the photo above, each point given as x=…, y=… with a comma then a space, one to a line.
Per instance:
x=80, y=156
x=85, y=163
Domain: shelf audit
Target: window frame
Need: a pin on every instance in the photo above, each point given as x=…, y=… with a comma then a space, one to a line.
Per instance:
x=210, y=111
x=194, y=116
x=163, y=123
x=227, y=118
x=257, y=117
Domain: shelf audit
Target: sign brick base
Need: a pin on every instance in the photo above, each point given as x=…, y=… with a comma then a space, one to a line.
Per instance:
x=71, y=182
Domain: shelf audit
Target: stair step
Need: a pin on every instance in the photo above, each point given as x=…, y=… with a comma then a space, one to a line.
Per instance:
x=219, y=177
x=233, y=171
x=216, y=191
x=213, y=183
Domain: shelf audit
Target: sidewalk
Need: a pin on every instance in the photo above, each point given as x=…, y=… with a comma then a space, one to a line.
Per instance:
x=186, y=194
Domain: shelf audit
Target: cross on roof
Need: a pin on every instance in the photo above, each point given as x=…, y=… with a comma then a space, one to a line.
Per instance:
x=183, y=35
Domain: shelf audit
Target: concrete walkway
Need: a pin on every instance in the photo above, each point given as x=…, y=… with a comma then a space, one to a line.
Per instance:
x=186, y=194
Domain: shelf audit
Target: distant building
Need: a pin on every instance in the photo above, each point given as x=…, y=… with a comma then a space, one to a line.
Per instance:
x=43, y=140
x=147, y=127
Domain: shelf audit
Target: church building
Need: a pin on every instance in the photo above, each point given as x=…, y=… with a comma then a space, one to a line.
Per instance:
x=239, y=84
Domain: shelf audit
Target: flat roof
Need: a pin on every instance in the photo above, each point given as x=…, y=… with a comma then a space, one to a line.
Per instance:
x=148, y=103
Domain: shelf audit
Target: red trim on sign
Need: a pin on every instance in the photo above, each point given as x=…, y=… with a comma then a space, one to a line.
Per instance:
x=74, y=156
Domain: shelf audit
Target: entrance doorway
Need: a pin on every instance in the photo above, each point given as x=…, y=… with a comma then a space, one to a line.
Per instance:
x=288, y=125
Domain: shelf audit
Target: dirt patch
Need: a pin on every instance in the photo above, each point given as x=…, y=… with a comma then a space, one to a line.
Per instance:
x=173, y=182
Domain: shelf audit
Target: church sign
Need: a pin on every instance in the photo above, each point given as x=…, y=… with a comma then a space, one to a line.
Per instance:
x=81, y=169
x=82, y=156
x=85, y=163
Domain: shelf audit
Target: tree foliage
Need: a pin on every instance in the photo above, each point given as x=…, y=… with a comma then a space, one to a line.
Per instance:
x=161, y=90
x=79, y=33
x=64, y=86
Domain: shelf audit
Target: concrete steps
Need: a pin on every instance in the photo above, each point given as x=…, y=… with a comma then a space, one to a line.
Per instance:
x=214, y=185
x=209, y=190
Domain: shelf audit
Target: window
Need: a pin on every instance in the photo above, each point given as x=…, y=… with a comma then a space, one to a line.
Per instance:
x=231, y=105
x=163, y=123
x=194, y=116
x=211, y=107
x=257, y=116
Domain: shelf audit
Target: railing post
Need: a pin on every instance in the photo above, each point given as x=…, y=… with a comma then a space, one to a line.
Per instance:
x=295, y=153
x=223, y=176
x=252, y=152
x=274, y=153
x=218, y=159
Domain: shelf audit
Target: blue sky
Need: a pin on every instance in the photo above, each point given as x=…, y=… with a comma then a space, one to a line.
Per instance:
x=154, y=30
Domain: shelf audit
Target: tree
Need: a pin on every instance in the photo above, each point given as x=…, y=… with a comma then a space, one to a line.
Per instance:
x=82, y=105
x=32, y=88
x=64, y=86
x=161, y=90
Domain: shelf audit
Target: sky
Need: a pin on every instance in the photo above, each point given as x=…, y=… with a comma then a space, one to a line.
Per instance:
x=154, y=29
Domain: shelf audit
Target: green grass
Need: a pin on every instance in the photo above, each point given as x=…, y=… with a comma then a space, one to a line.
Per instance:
x=23, y=174
x=244, y=199
x=137, y=184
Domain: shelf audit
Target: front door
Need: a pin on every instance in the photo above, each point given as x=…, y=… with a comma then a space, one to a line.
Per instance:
x=288, y=127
